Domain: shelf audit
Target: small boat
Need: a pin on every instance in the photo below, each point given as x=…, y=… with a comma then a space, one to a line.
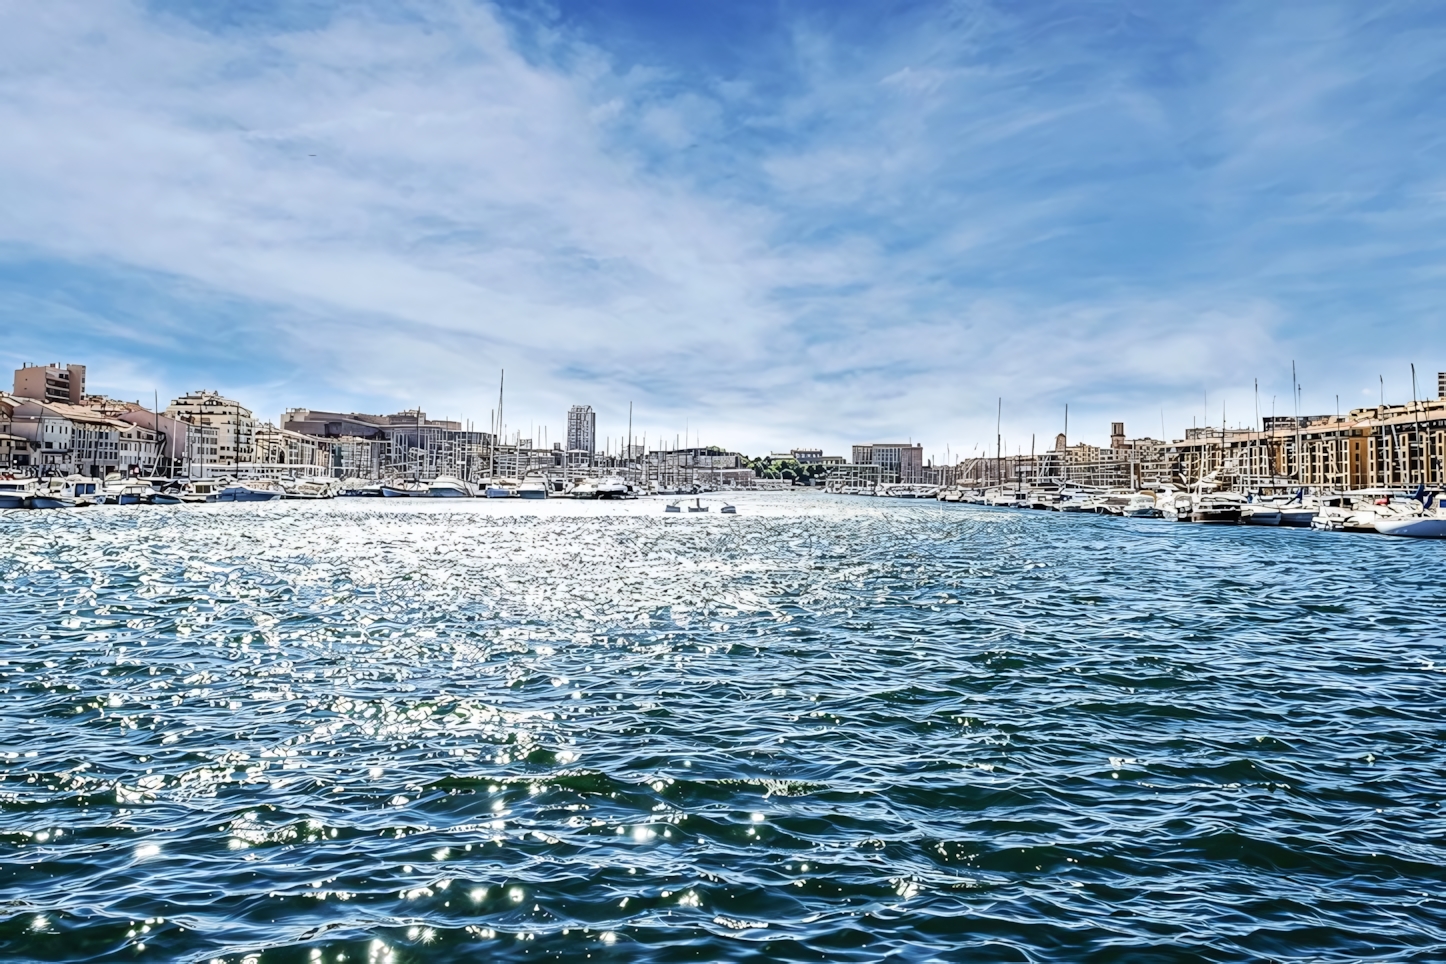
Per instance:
x=449, y=487
x=584, y=489
x=405, y=490
x=166, y=496
x=201, y=490
x=501, y=489
x=1259, y=514
x=256, y=490
x=532, y=487
x=673, y=507
x=134, y=493
x=728, y=509
x=697, y=506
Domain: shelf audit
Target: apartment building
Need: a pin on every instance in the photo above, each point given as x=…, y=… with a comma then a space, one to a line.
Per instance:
x=51, y=383
x=233, y=425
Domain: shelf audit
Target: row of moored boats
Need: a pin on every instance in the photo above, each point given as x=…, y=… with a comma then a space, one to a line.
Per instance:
x=1390, y=512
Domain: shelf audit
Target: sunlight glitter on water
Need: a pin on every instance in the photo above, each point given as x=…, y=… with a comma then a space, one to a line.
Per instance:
x=432, y=730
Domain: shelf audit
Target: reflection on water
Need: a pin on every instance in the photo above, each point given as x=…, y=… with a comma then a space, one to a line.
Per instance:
x=822, y=729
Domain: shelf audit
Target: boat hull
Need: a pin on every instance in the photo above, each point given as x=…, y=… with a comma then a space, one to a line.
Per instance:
x=1416, y=528
x=447, y=494
x=52, y=502
x=14, y=501
x=1297, y=518
x=1224, y=517
x=247, y=495
x=129, y=499
x=532, y=495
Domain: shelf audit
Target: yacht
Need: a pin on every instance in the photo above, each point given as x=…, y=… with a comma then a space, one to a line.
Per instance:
x=1355, y=511
x=449, y=487
x=254, y=490
x=532, y=487
x=612, y=487
x=1217, y=508
x=584, y=489
x=359, y=488
x=1141, y=505
x=1424, y=523
x=1175, y=506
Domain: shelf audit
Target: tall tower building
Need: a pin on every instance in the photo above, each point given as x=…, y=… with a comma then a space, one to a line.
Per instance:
x=581, y=429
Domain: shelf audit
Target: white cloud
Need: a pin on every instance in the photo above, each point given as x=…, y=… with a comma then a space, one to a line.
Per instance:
x=880, y=247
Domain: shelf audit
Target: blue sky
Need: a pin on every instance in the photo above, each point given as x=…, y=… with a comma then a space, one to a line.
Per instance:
x=777, y=223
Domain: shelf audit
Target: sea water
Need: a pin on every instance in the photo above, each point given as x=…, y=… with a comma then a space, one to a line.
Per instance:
x=826, y=728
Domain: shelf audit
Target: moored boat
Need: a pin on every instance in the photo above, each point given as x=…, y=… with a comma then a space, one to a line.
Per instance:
x=253, y=490
x=532, y=487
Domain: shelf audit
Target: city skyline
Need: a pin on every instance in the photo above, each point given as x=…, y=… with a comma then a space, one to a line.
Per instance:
x=784, y=224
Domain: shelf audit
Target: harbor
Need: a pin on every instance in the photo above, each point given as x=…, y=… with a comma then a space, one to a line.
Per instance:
x=1376, y=470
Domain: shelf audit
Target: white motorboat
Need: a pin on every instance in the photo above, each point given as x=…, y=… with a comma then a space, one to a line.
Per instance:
x=449, y=487
x=532, y=487
x=254, y=490
x=17, y=493
x=1356, y=511
x=67, y=493
x=1217, y=508
x=612, y=487
x=583, y=489
x=1427, y=524
x=1141, y=505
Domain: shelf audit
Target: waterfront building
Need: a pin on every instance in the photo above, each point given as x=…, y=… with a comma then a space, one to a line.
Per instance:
x=899, y=462
x=582, y=430
x=293, y=452
x=169, y=437
x=51, y=383
x=407, y=443
x=235, y=428
x=62, y=438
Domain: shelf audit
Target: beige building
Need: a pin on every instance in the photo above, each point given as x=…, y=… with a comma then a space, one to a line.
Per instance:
x=51, y=383
x=233, y=425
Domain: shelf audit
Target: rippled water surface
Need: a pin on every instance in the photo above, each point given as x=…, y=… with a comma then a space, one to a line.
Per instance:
x=824, y=729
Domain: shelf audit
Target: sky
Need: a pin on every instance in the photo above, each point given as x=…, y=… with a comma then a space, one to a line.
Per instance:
x=765, y=224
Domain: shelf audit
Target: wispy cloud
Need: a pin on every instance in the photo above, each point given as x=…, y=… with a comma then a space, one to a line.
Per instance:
x=820, y=227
